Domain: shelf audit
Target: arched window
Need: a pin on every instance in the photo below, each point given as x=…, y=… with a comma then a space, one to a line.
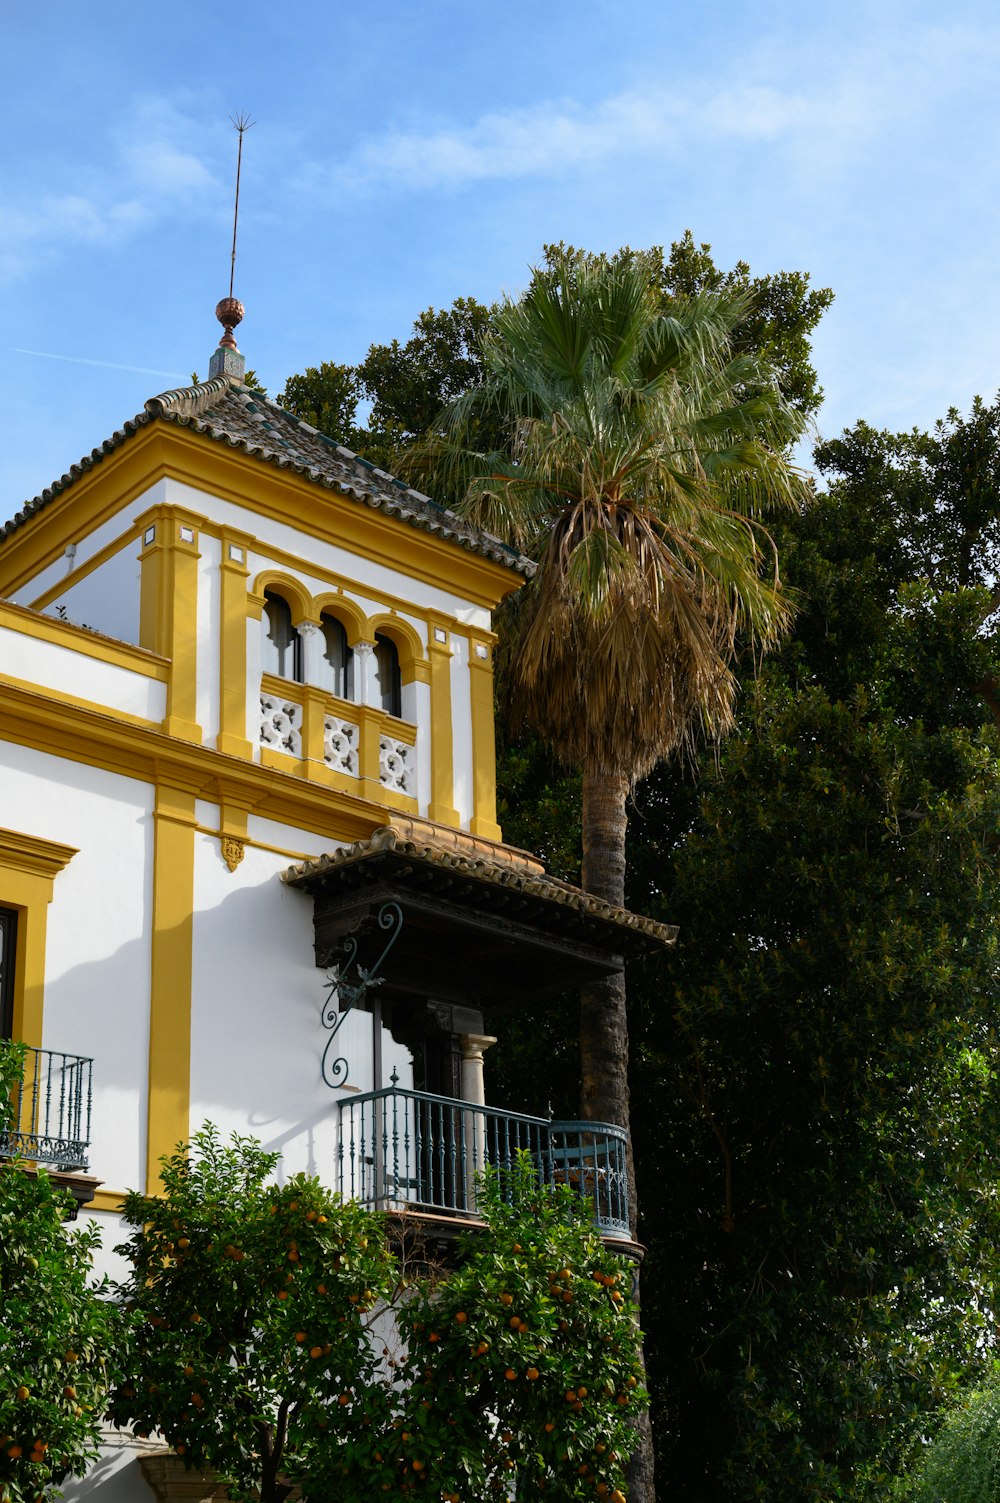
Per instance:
x=282, y=647
x=339, y=674
x=387, y=673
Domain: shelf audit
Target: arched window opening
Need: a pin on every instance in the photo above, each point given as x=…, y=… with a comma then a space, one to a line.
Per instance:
x=282, y=646
x=339, y=674
x=387, y=673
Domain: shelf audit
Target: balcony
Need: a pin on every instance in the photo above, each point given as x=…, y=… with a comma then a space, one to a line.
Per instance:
x=409, y=1150
x=50, y=1120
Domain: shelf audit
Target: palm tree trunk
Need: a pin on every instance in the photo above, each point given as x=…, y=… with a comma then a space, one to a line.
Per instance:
x=604, y=1032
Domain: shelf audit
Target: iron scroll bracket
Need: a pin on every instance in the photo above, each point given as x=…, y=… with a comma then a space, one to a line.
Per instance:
x=345, y=992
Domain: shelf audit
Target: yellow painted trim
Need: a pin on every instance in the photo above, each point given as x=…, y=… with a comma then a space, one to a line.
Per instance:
x=233, y=687
x=400, y=632
x=108, y=650
x=442, y=805
x=168, y=607
x=292, y=591
x=71, y=702
x=350, y=615
x=91, y=500
x=484, y=751
x=29, y=866
x=106, y=1200
x=327, y=514
x=168, y=1108
x=142, y=751
x=258, y=845
x=164, y=450
x=96, y=561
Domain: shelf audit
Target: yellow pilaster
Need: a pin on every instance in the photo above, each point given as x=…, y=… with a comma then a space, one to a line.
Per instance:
x=168, y=608
x=442, y=805
x=313, y=727
x=370, y=736
x=484, y=750
x=28, y=869
x=234, y=568
x=169, y=1087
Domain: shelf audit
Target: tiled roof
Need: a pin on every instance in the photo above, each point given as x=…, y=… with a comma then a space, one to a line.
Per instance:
x=232, y=414
x=461, y=855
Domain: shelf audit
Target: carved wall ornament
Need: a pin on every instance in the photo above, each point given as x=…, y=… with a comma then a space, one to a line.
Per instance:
x=233, y=850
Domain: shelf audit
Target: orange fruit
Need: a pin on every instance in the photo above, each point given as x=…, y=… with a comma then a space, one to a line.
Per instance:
x=531, y=1374
x=510, y=1375
x=461, y=1318
x=13, y=1452
x=549, y=1426
x=515, y=1322
x=23, y=1393
x=315, y=1352
x=320, y=1288
x=300, y=1336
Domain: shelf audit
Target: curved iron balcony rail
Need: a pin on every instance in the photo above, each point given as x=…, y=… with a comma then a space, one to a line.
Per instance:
x=50, y=1120
x=404, y=1149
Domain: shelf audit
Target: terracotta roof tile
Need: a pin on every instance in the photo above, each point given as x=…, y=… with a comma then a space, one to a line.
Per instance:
x=233, y=414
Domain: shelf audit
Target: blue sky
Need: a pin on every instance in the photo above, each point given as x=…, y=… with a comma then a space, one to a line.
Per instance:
x=411, y=151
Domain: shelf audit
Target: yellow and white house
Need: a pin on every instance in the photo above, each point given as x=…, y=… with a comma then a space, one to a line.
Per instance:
x=246, y=746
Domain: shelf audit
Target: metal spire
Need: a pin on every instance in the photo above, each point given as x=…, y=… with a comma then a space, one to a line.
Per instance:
x=227, y=359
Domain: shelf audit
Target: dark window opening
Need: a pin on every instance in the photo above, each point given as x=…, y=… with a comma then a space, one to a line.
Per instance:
x=339, y=657
x=388, y=676
x=8, y=951
x=282, y=646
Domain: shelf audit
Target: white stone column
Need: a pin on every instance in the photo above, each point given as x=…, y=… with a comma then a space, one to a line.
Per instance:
x=363, y=669
x=313, y=662
x=473, y=1047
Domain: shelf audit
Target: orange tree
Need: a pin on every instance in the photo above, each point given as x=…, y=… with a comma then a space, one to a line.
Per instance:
x=250, y=1303
x=521, y=1363
x=54, y=1328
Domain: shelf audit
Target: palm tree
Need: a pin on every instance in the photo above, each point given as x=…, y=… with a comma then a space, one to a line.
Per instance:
x=638, y=475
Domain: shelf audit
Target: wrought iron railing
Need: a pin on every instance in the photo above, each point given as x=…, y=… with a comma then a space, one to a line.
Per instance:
x=50, y=1121
x=409, y=1149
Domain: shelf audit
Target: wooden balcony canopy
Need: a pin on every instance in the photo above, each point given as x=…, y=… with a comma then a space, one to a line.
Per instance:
x=483, y=925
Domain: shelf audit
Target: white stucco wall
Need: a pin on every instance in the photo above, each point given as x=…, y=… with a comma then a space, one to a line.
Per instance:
x=52, y=667
x=461, y=727
x=106, y=599
x=98, y=936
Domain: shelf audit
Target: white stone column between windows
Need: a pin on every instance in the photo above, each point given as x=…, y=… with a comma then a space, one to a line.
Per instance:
x=363, y=667
x=313, y=642
x=473, y=1047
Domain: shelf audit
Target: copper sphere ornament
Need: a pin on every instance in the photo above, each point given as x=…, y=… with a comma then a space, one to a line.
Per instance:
x=229, y=312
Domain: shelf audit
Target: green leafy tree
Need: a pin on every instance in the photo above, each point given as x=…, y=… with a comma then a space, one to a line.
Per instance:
x=326, y=397
x=266, y=1345
x=250, y=1306
x=962, y=1462
x=820, y=1176
x=524, y=1361
x=55, y=1330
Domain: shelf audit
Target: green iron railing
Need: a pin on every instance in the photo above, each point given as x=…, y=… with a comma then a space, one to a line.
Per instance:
x=50, y=1120
x=410, y=1149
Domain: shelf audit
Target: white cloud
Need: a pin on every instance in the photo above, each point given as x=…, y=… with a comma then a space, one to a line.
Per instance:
x=822, y=115
x=154, y=168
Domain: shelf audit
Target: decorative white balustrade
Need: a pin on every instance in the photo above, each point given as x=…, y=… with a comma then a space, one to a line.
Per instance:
x=341, y=740
x=292, y=728
x=281, y=724
x=397, y=765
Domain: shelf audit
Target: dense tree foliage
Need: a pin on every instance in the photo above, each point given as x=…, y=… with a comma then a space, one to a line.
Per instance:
x=275, y=1340
x=819, y=1174
x=55, y=1330
x=407, y=384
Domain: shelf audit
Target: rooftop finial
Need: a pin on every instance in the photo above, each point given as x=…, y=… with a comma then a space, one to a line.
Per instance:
x=227, y=360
